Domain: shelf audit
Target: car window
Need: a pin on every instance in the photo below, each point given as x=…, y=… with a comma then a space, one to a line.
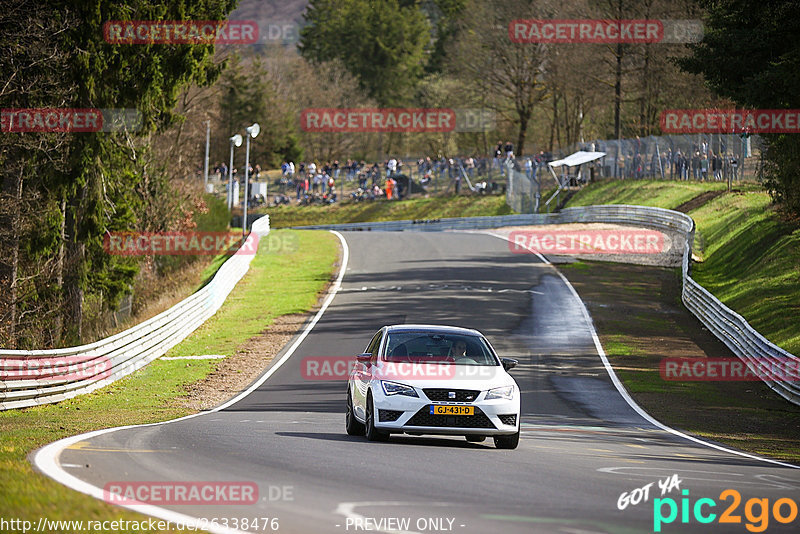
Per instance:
x=439, y=348
x=375, y=344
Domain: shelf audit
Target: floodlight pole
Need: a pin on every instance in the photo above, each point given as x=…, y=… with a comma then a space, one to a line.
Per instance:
x=230, y=179
x=246, y=174
x=252, y=132
x=205, y=171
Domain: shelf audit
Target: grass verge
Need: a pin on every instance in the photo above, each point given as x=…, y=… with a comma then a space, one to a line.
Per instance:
x=654, y=193
x=282, y=280
x=750, y=257
x=383, y=210
x=751, y=262
x=638, y=333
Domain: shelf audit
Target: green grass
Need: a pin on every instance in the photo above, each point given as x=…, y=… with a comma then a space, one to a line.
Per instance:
x=577, y=265
x=281, y=280
x=654, y=193
x=751, y=259
x=617, y=345
x=752, y=264
x=383, y=210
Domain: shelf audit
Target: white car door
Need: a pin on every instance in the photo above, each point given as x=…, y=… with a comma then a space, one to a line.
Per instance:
x=362, y=376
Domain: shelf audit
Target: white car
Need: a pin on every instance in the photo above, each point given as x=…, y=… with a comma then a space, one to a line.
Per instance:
x=425, y=379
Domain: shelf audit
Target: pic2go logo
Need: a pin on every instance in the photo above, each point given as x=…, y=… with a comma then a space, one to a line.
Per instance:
x=757, y=511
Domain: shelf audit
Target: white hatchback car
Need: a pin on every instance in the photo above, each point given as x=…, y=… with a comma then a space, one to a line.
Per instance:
x=425, y=379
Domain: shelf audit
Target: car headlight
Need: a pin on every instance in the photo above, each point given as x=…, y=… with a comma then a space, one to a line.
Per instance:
x=501, y=393
x=395, y=388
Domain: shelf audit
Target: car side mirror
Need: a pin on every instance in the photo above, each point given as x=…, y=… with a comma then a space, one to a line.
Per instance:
x=509, y=363
x=364, y=357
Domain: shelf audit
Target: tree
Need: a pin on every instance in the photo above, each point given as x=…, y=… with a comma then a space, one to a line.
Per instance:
x=380, y=42
x=248, y=96
x=30, y=219
x=443, y=16
x=510, y=73
x=751, y=55
x=84, y=184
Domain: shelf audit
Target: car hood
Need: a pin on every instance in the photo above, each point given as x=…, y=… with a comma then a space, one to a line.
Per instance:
x=445, y=376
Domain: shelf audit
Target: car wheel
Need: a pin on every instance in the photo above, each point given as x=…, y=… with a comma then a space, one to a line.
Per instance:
x=475, y=439
x=354, y=428
x=507, y=442
x=373, y=434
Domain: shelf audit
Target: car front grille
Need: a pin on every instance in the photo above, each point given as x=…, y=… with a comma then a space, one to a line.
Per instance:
x=425, y=418
x=387, y=416
x=508, y=419
x=443, y=395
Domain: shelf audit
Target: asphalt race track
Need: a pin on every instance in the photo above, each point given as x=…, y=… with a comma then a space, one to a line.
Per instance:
x=582, y=444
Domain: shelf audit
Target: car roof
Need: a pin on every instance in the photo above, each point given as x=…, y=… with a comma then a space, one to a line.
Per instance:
x=441, y=329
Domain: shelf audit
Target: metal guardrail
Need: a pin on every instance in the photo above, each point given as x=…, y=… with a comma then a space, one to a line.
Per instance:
x=65, y=373
x=732, y=329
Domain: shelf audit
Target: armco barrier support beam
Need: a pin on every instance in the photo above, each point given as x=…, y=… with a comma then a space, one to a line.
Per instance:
x=109, y=359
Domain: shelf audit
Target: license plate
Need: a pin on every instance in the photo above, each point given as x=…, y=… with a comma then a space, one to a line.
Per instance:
x=439, y=409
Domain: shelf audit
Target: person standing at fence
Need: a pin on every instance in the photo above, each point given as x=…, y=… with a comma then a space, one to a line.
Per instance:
x=704, y=166
x=299, y=187
x=389, y=187
x=639, y=164
x=470, y=164
x=716, y=166
x=684, y=167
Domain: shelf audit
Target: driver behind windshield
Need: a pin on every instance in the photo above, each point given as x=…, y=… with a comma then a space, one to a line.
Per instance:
x=458, y=351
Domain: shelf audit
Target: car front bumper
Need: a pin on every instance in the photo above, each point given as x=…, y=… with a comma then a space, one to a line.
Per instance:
x=414, y=416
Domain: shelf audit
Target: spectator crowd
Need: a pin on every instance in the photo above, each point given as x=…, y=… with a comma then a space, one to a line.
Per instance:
x=311, y=182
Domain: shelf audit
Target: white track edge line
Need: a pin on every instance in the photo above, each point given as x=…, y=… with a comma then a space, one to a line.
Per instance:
x=621, y=388
x=46, y=458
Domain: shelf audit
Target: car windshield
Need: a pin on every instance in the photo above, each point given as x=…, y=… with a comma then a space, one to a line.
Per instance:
x=434, y=347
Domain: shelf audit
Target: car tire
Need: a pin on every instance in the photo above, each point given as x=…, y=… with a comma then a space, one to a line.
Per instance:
x=372, y=433
x=507, y=442
x=352, y=425
x=475, y=439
